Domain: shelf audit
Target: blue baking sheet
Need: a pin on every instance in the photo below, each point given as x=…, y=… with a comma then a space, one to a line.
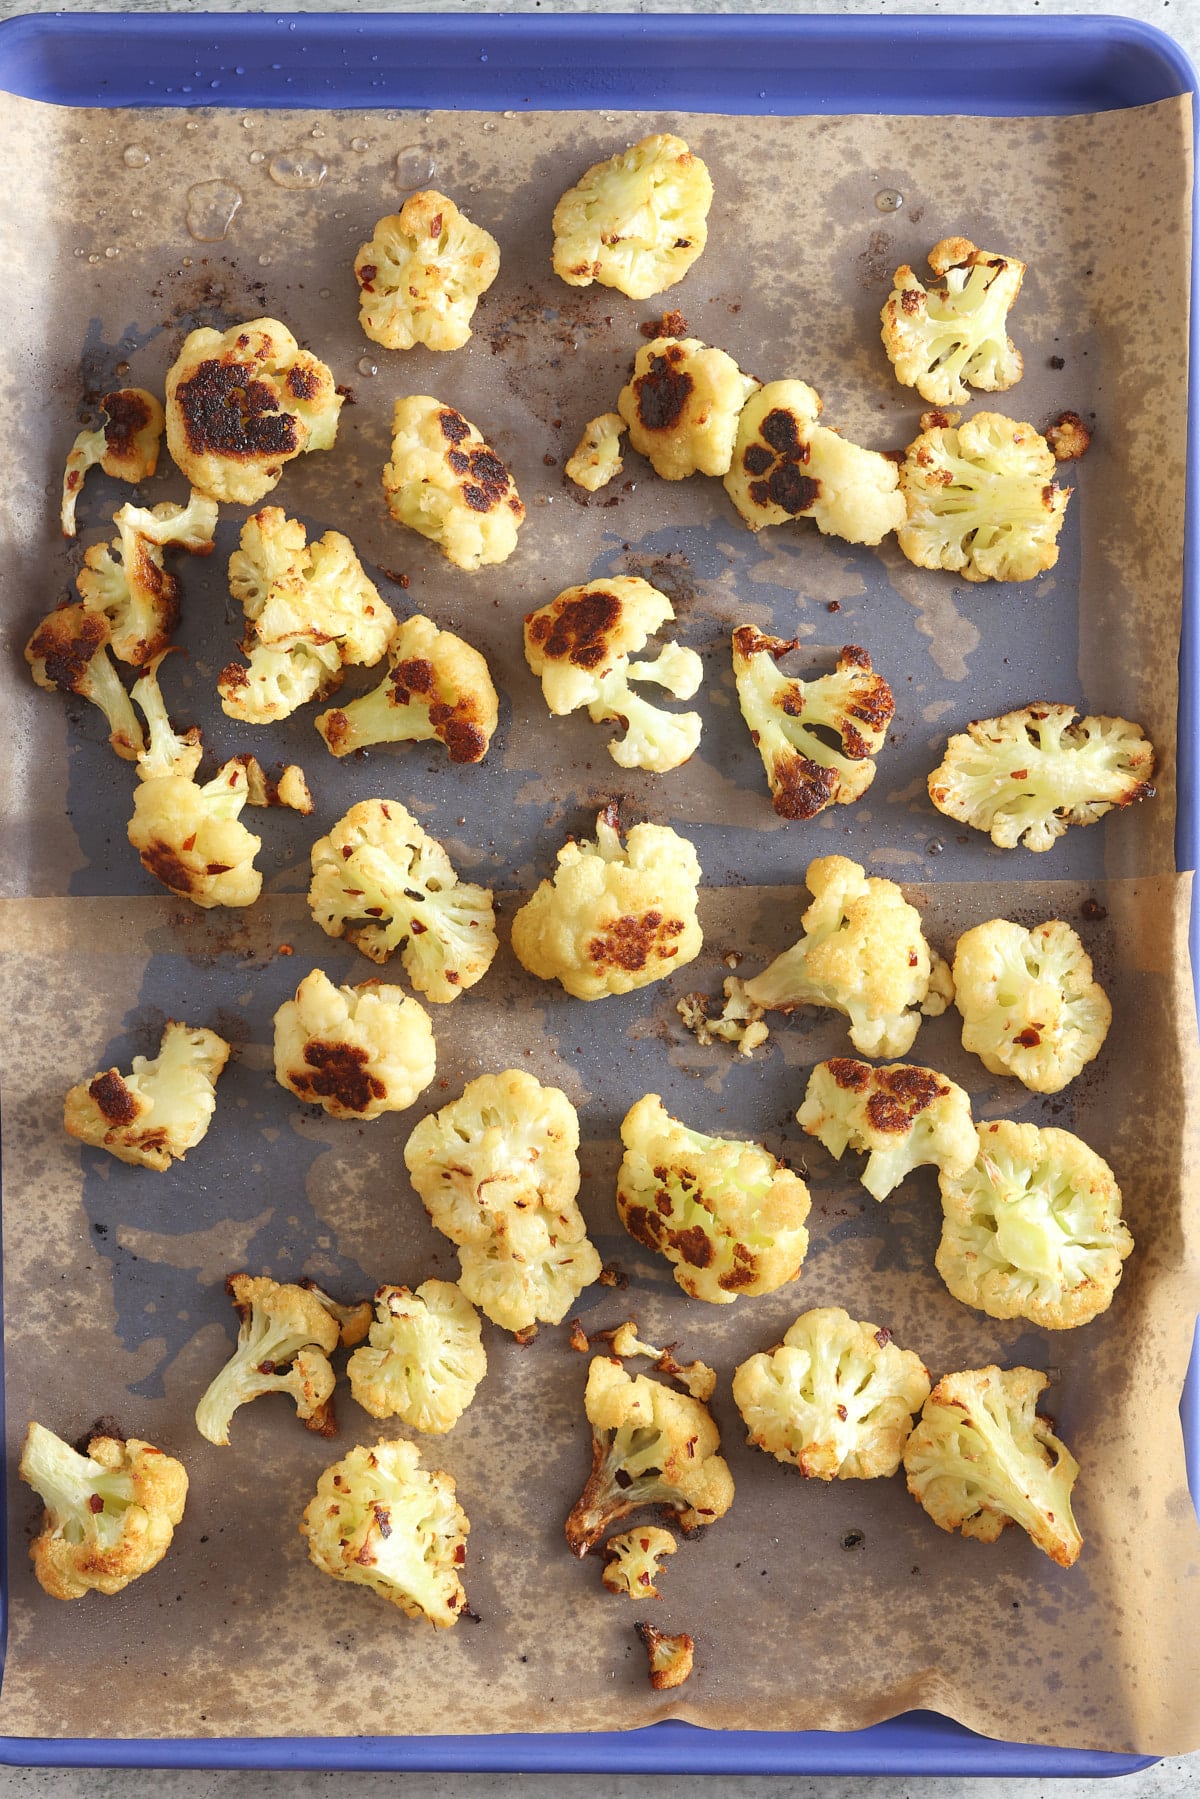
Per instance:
x=778, y=63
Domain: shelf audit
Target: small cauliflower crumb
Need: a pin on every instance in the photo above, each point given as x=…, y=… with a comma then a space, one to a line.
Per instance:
x=739, y=1021
x=1068, y=437
x=597, y=457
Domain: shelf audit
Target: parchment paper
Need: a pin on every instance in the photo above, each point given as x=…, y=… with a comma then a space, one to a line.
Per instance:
x=113, y=1277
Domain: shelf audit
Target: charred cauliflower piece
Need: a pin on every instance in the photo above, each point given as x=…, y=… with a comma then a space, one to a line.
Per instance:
x=836, y=1398
x=904, y=1117
x=863, y=954
x=381, y=881
x=580, y=646
x=699, y=1379
x=596, y=459
x=1026, y=776
x=786, y=716
x=285, y=1339
x=1033, y=1229
x=437, y=689
x=682, y=405
x=636, y=222
x=981, y=1458
x=378, y=1519
x=981, y=500
x=785, y=466
x=726, y=1214
x=425, y=1359
x=153, y=1116
x=671, y=1657
x=357, y=1051
x=944, y=340
x=650, y=1446
x=631, y=1561
x=241, y=403
x=127, y=580
x=422, y=273
x=1029, y=1005
x=447, y=483
x=69, y=652
x=125, y=446
x=615, y=916
x=739, y=1020
x=110, y=1514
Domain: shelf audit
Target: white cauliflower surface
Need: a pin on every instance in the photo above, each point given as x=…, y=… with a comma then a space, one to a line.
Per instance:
x=422, y=273
x=445, y=482
x=904, y=1117
x=437, y=689
x=424, y=1358
x=154, y=1115
x=355, y=1051
x=949, y=338
x=981, y=500
x=636, y=222
x=1029, y=1004
x=682, y=405
x=784, y=466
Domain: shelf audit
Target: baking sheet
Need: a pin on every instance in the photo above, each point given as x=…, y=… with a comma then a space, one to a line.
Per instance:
x=89, y=976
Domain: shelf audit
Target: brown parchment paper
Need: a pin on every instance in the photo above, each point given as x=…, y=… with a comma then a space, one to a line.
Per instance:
x=812, y=1607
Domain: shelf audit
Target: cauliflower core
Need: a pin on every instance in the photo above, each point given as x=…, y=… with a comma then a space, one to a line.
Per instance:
x=631, y=1561
x=597, y=456
x=69, y=652
x=127, y=581
x=981, y=1458
x=947, y=339
x=357, y=1051
x=726, y=1214
x=422, y=273
x=615, y=916
x=1028, y=775
x=836, y=1398
x=153, y=1116
x=285, y=1339
x=682, y=405
x=580, y=646
x=437, y=689
x=425, y=1359
x=636, y=222
x=1033, y=1228
x=125, y=446
x=444, y=481
x=981, y=500
x=1029, y=1005
x=905, y=1117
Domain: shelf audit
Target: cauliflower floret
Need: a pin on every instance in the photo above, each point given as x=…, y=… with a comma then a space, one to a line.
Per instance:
x=422, y=273
x=597, y=457
x=1029, y=1005
x=530, y=1271
x=580, y=647
x=125, y=446
x=1033, y=1229
x=904, y=1116
x=1028, y=775
x=69, y=651
x=380, y=1520
x=739, y=1020
x=682, y=405
x=786, y=716
x=785, y=466
x=285, y=1339
x=425, y=1360
x=699, y=1379
x=357, y=1051
x=153, y=1116
x=835, y=1399
x=636, y=222
x=981, y=1458
x=191, y=839
x=290, y=790
x=863, y=954
x=447, y=483
x=631, y=1561
x=981, y=500
x=379, y=867
x=726, y=1214
x=128, y=582
x=241, y=403
x=939, y=339
x=670, y=1656
x=437, y=688
x=354, y=1320
x=650, y=1446
x=110, y=1514
x=1069, y=438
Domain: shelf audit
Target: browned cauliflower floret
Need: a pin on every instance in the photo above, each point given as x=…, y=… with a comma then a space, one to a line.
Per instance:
x=290, y=789
x=447, y=483
x=125, y=446
x=682, y=405
x=631, y=1561
x=425, y=1357
x=636, y=222
x=422, y=273
x=1033, y=1228
x=437, y=688
x=110, y=1514
x=739, y=1020
x=597, y=456
x=1069, y=438
x=903, y=1116
x=285, y=1339
x=191, y=839
x=127, y=579
x=944, y=340
x=153, y=1116
x=670, y=1656
x=981, y=500
x=357, y=1051
x=697, y=1377
x=70, y=651
x=1029, y=1005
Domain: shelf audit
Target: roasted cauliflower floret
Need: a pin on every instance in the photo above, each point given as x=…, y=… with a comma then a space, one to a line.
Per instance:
x=153, y=1116
x=697, y=1377
x=636, y=222
x=447, y=483
x=863, y=954
x=425, y=1358
x=125, y=446
x=981, y=500
x=739, y=1021
x=904, y=1117
x=530, y=1271
x=631, y=1561
x=682, y=405
x=422, y=273
x=384, y=883
x=1033, y=1229
x=290, y=790
x=670, y=1657
x=786, y=716
x=1026, y=776
x=110, y=1514
x=357, y=1051
x=784, y=466
x=650, y=1446
x=944, y=340
x=285, y=1339
x=69, y=651
x=191, y=838
x=726, y=1214
x=836, y=1398
x=1029, y=1005
x=597, y=459
x=581, y=645
x=127, y=579
x=437, y=689
x=379, y=1520
x=981, y=1458
x=616, y=916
